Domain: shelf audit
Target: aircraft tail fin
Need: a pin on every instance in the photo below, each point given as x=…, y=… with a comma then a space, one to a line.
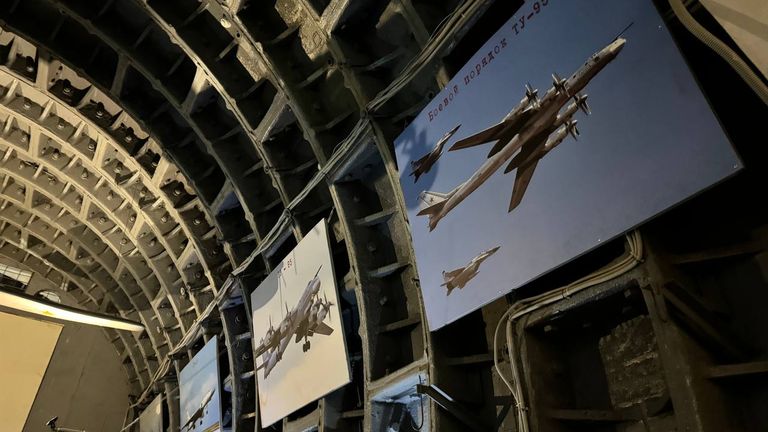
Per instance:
x=323, y=329
x=418, y=168
x=448, y=279
x=448, y=284
x=434, y=203
x=431, y=199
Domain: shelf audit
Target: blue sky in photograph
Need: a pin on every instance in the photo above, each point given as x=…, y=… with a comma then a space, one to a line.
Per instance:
x=195, y=381
x=651, y=142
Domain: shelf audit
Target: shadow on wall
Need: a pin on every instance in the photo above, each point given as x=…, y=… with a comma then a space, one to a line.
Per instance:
x=85, y=383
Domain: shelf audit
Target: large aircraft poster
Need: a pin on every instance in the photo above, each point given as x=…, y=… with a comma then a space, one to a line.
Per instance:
x=200, y=391
x=298, y=336
x=577, y=121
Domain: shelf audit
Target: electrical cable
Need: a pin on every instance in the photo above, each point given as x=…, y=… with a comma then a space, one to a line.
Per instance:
x=341, y=152
x=720, y=48
x=421, y=405
x=438, y=40
x=128, y=426
x=523, y=307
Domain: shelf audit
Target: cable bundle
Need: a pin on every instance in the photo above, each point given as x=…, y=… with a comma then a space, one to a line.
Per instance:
x=523, y=307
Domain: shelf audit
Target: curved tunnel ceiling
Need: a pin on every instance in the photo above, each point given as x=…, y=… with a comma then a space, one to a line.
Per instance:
x=149, y=148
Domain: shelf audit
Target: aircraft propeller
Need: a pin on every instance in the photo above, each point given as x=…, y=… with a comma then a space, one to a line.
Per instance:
x=581, y=102
x=570, y=126
x=531, y=94
x=327, y=306
x=559, y=83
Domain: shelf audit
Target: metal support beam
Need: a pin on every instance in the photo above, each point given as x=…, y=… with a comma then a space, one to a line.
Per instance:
x=452, y=406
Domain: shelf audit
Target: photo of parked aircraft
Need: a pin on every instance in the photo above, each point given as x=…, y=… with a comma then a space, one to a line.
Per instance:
x=424, y=164
x=298, y=331
x=524, y=135
x=305, y=320
x=460, y=277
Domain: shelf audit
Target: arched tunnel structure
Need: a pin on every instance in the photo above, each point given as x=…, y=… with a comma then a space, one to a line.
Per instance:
x=160, y=157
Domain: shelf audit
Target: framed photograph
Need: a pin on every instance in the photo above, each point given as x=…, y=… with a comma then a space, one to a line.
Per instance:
x=299, y=344
x=200, y=391
x=576, y=122
x=151, y=419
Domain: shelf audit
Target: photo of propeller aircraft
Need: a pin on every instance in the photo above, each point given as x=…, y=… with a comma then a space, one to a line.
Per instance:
x=298, y=329
x=305, y=320
x=525, y=135
x=537, y=172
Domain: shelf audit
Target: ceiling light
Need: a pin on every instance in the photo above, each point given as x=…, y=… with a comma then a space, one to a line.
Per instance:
x=38, y=306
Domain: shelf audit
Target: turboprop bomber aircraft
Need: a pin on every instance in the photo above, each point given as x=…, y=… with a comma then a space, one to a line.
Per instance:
x=305, y=320
x=525, y=135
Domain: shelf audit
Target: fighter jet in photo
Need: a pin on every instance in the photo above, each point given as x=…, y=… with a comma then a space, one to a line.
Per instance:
x=306, y=319
x=199, y=413
x=423, y=165
x=461, y=276
x=526, y=128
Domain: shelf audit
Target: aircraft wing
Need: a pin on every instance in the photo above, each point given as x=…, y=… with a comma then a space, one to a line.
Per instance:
x=418, y=164
x=482, y=137
x=191, y=420
x=301, y=329
x=453, y=273
x=323, y=329
x=506, y=128
x=275, y=341
x=526, y=151
x=525, y=161
x=208, y=399
x=449, y=276
x=261, y=349
x=522, y=179
x=280, y=348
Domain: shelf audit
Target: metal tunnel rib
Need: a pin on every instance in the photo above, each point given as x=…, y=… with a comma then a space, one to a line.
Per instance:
x=228, y=122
